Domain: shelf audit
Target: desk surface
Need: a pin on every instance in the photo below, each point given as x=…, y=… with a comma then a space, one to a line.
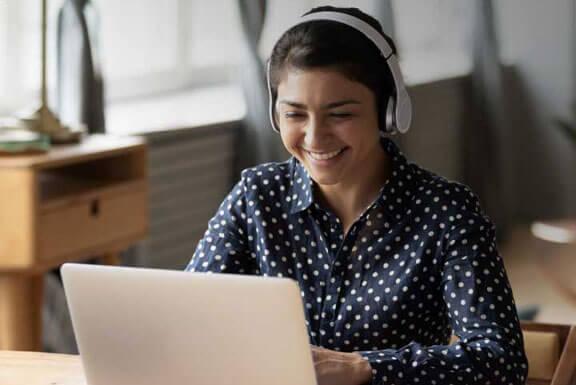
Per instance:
x=91, y=147
x=27, y=368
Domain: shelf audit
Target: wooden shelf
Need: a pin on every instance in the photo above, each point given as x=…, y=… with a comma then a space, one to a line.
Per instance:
x=74, y=202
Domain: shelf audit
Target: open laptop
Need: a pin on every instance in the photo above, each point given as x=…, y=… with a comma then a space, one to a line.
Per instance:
x=150, y=327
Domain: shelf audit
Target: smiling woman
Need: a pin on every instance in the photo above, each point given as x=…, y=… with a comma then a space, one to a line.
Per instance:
x=329, y=123
x=391, y=259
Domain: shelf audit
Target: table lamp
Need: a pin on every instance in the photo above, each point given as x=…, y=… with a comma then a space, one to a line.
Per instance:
x=43, y=120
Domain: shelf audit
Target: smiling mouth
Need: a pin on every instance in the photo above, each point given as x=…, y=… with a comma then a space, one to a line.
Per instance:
x=324, y=155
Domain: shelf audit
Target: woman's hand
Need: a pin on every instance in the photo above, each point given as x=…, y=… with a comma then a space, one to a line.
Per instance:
x=339, y=368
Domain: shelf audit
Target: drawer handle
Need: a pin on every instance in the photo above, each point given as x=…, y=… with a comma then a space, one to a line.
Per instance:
x=95, y=208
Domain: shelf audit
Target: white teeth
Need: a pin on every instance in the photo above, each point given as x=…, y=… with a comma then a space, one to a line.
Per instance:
x=324, y=155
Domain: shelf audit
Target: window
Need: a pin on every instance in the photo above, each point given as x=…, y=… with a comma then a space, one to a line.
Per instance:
x=147, y=47
x=19, y=54
x=151, y=47
x=433, y=37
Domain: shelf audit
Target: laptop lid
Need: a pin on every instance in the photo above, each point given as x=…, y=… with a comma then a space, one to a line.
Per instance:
x=150, y=327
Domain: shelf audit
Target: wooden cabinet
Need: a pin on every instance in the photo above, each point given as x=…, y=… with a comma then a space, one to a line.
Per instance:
x=75, y=202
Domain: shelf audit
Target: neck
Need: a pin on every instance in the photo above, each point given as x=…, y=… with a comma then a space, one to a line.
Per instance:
x=349, y=198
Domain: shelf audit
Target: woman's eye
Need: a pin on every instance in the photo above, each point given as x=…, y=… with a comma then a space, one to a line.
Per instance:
x=293, y=115
x=341, y=115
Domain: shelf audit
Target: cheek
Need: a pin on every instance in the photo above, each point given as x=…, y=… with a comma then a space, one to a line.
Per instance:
x=358, y=135
x=367, y=125
x=290, y=138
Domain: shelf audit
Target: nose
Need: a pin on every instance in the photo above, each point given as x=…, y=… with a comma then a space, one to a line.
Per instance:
x=316, y=132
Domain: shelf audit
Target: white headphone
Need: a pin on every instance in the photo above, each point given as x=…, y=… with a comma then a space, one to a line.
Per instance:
x=399, y=107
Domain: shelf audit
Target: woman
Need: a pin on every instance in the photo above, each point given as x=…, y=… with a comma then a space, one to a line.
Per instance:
x=390, y=258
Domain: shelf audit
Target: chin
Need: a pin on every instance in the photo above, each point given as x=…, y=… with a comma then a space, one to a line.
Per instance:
x=324, y=178
x=325, y=181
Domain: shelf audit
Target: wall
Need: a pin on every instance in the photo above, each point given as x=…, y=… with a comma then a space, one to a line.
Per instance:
x=538, y=45
x=434, y=140
x=539, y=38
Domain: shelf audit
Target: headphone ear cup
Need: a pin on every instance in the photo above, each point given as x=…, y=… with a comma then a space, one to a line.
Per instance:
x=271, y=100
x=275, y=124
x=389, y=123
x=273, y=117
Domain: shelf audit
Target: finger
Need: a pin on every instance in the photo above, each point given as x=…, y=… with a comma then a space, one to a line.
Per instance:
x=318, y=348
x=314, y=351
x=318, y=353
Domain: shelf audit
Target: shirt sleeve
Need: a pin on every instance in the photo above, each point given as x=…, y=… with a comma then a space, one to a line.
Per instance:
x=482, y=313
x=224, y=246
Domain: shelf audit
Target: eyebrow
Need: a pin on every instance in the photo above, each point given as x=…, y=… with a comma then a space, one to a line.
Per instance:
x=326, y=106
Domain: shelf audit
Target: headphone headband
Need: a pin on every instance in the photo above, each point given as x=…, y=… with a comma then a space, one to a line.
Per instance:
x=354, y=22
x=399, y=107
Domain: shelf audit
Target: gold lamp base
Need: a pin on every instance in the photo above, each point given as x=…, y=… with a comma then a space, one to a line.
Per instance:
x=44, y=121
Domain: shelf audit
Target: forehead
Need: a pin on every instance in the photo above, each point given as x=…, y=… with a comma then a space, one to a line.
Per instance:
x=322, y=82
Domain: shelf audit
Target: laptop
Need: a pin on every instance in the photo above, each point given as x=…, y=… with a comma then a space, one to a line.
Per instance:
x=150, y=326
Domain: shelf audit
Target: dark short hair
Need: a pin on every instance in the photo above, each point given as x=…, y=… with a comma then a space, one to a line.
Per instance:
x=329, y=44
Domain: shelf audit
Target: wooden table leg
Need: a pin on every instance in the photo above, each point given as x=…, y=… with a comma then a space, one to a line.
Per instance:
x=21, y=312
x=112, y=258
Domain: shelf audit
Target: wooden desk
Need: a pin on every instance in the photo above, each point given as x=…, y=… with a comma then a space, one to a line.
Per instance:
x=27, y=368
x=72, y=203
x=551, y=352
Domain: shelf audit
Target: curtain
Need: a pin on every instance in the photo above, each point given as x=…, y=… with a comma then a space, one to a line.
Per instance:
x=79, y=102
x=80, y=97
x=57, y=332
x=385, y=14
x=257, y=141
x=487, y=164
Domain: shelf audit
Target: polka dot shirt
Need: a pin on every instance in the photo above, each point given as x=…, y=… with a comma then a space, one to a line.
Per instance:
x=418, y=265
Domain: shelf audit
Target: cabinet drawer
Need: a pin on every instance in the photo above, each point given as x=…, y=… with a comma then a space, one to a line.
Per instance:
x=94, y=221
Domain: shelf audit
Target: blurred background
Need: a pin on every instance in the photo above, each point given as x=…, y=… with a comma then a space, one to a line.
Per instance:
x=493, y=86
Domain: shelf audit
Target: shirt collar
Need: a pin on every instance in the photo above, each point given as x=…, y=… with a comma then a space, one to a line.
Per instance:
x=399, y=187
x=301, y=193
